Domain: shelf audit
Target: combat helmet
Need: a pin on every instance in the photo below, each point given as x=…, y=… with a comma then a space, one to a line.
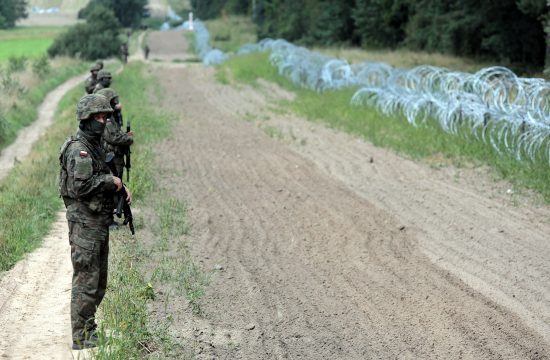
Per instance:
x=103, y=74
x=95, y=67
x=92, y=104
x=109, y=93
x=100, y=64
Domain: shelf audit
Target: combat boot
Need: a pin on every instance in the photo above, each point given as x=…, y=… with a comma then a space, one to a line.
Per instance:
x=87, y=343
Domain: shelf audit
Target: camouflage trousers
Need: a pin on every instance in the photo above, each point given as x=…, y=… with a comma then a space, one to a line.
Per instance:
x=89, y=255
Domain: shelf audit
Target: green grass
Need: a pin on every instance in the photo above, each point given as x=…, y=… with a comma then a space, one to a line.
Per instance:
x=229, y=33
x=28, y=195
x=30, y=42
x=21, y=115
x=427, y=142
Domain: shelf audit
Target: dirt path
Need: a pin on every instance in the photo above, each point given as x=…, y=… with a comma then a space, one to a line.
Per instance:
x=327, y=255
x=34, y=301
x=34, y=295
x=22, y=146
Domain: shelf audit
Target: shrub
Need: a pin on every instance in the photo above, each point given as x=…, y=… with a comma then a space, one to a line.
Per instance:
x=41, y=67
x=96, y=39
x=16, y=63
x=128, y=12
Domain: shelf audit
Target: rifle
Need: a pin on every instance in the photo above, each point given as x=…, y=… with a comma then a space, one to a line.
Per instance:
x=128, y=153
x=122, y=205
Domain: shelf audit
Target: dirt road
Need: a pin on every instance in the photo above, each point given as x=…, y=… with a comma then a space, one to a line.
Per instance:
x=327, y=255
x=321, y=253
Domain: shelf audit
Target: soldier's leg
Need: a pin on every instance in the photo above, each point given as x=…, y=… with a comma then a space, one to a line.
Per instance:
x=103, y=270
x=85, y=255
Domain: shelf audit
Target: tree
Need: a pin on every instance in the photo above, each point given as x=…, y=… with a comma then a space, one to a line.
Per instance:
x=95, y=39
x=207, y=9
x=330, y=22
x=128, y=12
x=381, y=23
x=11, y=11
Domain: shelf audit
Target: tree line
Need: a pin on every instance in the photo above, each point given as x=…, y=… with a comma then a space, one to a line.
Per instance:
x=508, y=31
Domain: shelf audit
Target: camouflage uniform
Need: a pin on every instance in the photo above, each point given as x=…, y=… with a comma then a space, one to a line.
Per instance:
x=91, y=81
x=114, y=140
x=88, y=191
x=124, y=52
x=146, y=51
x=104, y=80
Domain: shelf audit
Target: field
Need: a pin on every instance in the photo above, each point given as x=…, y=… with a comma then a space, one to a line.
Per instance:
x=30, y=42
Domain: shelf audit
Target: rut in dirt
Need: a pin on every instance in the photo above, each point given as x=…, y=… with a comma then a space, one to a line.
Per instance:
x=312, y=270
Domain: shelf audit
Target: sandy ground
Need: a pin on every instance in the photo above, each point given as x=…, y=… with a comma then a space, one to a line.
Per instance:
x=34, y=301
x=326, y=254
x=321, y=253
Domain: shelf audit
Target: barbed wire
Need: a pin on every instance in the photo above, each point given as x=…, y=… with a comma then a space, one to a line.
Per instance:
x=493, y=105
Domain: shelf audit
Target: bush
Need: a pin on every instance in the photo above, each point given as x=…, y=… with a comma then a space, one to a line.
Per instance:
x=10, y=85
x=128, y=12
x=96, y=39
x=16, y=63
x=41, y=67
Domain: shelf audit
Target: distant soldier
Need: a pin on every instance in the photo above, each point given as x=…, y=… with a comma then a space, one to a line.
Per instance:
x=100, y=64
x=104, y=80
x=91, y=81
x=124, y=52
x=88, y=189
x=146, y=51
x=114, y=139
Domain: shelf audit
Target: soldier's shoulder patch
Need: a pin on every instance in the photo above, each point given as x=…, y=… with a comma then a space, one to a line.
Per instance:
x=83, y=153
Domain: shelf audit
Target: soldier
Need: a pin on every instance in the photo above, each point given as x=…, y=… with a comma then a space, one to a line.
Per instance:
x=88, y=190
x=124, y=52
x=100, y=64
x=91, y=81
x=114, y=140
x=146, y=51
x=104, y=79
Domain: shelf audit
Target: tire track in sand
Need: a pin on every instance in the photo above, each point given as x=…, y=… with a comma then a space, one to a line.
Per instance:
x=320, y=271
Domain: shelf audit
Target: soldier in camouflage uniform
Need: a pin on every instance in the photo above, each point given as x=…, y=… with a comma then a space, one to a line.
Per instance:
x=88, y=190
x=100, y=64
x=91, y=81
x=124, y=52
x=104, y=80
x=114, y=140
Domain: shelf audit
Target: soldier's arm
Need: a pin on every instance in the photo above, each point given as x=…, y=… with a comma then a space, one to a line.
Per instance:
x=89, y=86
x=81, y=180
x=112, y=135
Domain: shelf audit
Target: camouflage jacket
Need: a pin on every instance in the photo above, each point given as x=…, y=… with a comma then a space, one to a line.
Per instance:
x=85, y=181
x=90, y=84
x=98, y=87
x=114, y=139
